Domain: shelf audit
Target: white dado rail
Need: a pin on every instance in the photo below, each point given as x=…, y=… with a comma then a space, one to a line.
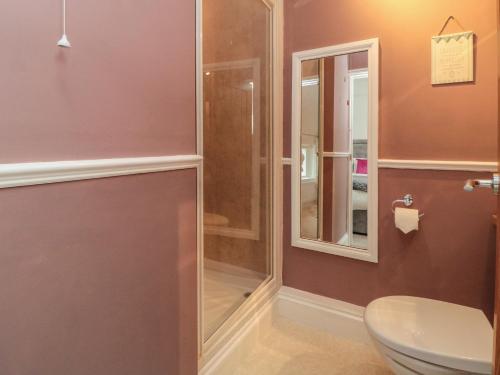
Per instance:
x=36, y=173
x=24, y=174
x=438, y=165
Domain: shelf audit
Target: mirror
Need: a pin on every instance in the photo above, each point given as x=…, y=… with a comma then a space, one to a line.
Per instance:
x=334, y=161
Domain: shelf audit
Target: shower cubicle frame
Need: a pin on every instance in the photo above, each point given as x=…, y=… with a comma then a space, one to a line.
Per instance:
x=230, y=329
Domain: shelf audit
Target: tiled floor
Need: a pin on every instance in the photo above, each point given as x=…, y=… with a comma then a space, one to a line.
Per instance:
x=289, y=348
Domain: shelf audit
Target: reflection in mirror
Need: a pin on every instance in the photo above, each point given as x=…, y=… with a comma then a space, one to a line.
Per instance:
x=334, y=150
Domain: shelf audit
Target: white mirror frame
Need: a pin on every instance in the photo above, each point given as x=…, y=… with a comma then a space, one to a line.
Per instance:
x=372, y=47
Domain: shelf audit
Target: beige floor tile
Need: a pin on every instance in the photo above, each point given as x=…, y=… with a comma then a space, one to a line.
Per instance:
x=292, y=349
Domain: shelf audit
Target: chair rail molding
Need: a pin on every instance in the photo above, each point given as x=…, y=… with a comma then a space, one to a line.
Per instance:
x=440, y=165
x=37, y=173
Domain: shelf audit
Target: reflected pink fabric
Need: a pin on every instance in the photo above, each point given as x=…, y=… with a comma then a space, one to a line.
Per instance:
x=362, y=166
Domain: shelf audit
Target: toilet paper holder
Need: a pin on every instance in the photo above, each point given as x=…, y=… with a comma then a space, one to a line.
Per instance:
x=407, y=201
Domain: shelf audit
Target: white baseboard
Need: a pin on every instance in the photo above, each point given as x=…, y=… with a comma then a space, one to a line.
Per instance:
x=339, y=318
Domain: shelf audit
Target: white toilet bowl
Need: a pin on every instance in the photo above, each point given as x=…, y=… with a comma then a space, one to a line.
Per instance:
x=424, y=336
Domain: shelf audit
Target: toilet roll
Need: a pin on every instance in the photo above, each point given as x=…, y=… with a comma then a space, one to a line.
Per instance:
x=406, y=219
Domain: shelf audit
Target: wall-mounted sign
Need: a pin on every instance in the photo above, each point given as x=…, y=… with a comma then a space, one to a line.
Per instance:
x=453, y=58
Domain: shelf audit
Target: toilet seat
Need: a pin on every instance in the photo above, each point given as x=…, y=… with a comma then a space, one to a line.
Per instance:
x=436, y=332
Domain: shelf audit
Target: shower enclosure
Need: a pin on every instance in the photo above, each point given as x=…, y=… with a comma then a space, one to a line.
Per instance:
x=236, y=102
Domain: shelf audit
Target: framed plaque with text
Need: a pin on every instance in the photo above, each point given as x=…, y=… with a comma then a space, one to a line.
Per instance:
x=453, y=58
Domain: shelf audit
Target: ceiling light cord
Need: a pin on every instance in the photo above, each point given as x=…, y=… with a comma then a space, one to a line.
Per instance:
x=64, y=41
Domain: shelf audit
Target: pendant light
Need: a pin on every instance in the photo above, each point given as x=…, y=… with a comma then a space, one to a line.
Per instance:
x=64, y=41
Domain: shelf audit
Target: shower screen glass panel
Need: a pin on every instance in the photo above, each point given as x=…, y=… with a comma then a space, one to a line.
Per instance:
x=237, y=155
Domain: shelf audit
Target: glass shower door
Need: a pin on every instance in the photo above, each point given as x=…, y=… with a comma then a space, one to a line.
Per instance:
x=237, y=155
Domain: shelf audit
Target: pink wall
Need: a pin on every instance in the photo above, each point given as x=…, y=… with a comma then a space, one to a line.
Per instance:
x=417, y=121
x=98, y=277
x=451, y=257
x=126, y=88
x=358, y=60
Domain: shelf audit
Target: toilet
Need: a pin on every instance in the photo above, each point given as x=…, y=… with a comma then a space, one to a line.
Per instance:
x=424, y=336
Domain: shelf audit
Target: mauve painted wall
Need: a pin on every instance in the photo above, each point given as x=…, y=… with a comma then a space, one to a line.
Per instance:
x=98, y=277
x=126, y=88
x=452, y=256
x=417, y=121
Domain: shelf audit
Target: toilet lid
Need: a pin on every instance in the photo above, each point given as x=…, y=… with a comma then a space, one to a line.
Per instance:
x=437, y=332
